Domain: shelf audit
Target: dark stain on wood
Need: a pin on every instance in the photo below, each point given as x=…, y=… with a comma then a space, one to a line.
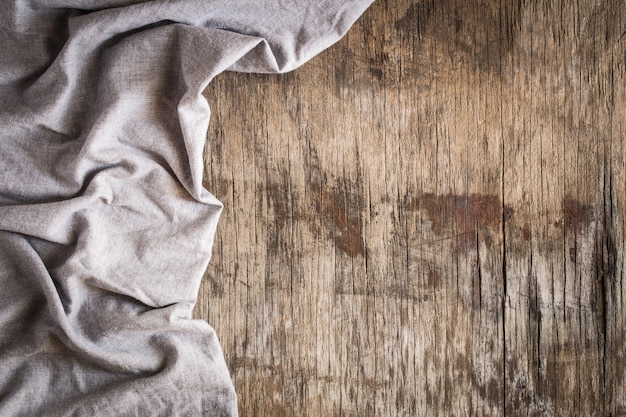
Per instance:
x=605, y=257
x=335, y=210
x=280, y=202
x=603, y=292
x=526, y=231
x=378, y=64
x=340, y=212
x=602, y=33
x=576, y=216
x=452, y=27
x=216, y=284
x=464, y=36
x=434, y=279
x=572, y=254
x=533, y=302
x=370, y=73
x=415, y=21
x=468, y=216
x=490, y=390
x=344, y=71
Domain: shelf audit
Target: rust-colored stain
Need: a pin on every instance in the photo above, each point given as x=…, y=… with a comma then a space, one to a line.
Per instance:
x=332, y=211
x=469, y=217
x=576, y=216
x=343, y=221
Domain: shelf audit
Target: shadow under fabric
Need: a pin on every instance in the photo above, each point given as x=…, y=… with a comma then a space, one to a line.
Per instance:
x=105, y=227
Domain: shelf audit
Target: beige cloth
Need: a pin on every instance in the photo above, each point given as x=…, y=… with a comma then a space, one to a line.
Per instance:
x=105, y=227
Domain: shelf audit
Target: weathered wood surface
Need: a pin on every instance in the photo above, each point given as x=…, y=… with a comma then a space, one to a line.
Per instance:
x=428, y=218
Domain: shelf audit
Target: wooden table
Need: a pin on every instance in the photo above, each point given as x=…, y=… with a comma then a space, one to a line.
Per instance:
x=428, y=218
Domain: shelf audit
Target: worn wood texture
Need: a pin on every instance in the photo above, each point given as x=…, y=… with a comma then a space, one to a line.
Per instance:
x=428, y=218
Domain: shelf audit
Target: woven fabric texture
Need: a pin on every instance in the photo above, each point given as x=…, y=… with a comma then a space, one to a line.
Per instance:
x=105, y=226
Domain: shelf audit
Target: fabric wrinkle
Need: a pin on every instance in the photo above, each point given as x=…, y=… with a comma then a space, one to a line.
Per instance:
x=106, y=228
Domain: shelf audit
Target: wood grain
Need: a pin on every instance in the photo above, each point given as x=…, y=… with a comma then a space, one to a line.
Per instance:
x=428, y=218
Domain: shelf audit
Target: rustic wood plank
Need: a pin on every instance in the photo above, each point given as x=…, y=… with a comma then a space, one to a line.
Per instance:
x=560, y=275
x=428, y=218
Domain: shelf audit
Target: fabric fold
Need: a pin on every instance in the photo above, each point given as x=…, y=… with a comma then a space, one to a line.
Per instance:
x=105, y=226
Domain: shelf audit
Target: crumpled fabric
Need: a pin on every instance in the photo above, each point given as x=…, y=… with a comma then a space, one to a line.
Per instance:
x=105, y=226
